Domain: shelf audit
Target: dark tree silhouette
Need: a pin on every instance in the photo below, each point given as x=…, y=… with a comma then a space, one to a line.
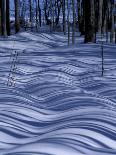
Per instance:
x=17, y=16
x=89, y=21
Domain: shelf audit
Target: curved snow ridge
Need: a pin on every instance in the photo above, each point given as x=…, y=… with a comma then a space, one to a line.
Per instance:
x=60, y=104
x=78, y=129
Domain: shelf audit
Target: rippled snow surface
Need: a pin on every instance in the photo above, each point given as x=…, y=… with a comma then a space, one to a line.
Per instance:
x=60, y=104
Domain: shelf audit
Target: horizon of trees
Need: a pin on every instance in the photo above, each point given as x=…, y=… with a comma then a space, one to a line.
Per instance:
x=89, y=17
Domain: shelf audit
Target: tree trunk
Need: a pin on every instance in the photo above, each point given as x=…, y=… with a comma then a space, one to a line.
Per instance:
x=23, y=12
x=36, y=15
x=115, y=23
x=64, y=20
x=17, y=16
x=89, y=21
x=39, y=13
x=79, y=14
x=100, y=16
x=0, y=19
x=3, y=18
x=73, y=26
x=112, y=23
x=30, y=11
x=8, y=17
x=30, y=14
x=68, y=22
x=82, y=26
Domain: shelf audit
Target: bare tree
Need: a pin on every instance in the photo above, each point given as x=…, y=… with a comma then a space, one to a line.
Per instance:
x=0, y=19
x=112, y=21
x=73, y=26
x=3, y=17
x=100, y=15
x=64, y=19
x=23, y=13
x=8, y=17
x=89, y=21
x=30, y=10
x=68, y=9
x=17, y=15
x=39, y=9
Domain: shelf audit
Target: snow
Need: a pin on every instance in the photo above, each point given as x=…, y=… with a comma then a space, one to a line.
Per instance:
x=53, y=98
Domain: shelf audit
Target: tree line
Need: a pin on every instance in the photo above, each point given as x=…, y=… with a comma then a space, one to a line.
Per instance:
x=88, y=17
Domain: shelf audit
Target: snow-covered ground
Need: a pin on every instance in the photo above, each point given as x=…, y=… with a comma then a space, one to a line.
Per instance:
x=53, y=99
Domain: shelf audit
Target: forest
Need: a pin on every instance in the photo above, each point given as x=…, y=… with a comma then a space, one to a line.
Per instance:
x=89, y=17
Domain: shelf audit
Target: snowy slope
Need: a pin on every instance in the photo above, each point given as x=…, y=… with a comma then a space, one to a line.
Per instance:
x=53, y=99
